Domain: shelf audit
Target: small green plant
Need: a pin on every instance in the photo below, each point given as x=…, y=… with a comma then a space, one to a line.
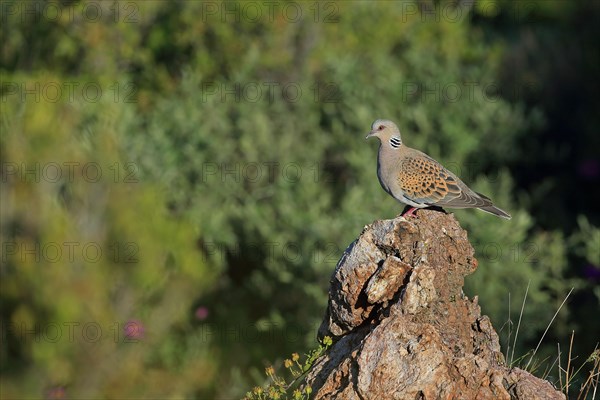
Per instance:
x=279, y=387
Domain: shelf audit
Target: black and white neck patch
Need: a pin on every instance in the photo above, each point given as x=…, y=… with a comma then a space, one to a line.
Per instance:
x=395, y=142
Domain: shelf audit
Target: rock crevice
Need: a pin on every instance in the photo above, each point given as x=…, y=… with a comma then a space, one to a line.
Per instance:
x=402, y=326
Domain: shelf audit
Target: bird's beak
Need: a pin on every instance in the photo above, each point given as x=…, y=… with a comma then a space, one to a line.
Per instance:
x=370, y=134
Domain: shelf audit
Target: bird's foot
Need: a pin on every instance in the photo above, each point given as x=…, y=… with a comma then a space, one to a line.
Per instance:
x=410, y=212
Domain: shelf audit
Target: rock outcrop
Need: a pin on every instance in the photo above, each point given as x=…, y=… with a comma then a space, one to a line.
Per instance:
x=402, y=326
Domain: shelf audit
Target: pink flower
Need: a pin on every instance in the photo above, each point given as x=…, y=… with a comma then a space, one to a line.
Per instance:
x=133, y=329
x=201, y=313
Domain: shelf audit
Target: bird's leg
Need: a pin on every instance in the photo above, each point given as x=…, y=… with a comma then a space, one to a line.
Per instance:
x=410, y=212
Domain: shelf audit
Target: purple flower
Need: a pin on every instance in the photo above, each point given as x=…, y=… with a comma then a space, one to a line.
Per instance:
x=201, y=313
x=591, y=271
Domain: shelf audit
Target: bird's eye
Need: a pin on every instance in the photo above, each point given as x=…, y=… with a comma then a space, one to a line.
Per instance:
x=380, y=127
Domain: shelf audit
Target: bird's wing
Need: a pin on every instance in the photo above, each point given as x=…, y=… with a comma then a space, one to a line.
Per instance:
x=425, y=181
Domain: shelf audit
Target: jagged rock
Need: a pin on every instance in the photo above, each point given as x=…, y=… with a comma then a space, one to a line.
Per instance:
x=402, y=326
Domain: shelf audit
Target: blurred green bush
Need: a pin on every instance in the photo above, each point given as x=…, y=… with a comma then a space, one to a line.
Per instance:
x=235, y=173
x=98, y=279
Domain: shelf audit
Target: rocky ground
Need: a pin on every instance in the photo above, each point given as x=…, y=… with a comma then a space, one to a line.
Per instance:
x=402, y=326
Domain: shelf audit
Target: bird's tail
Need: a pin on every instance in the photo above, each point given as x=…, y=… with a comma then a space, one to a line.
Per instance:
x=496, y=211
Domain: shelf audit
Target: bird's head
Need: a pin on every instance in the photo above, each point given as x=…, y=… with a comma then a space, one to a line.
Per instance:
x=385, y=130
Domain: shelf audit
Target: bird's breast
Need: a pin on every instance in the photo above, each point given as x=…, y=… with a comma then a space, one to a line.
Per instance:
x=386, y=175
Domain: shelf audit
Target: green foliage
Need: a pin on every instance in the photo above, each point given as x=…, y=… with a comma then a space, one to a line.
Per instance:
x=95, y=270
x=244, y=140
x=585, y=241
x=278, y=388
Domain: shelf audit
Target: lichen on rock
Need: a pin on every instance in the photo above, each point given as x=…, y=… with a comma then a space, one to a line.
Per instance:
x=403, y=327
